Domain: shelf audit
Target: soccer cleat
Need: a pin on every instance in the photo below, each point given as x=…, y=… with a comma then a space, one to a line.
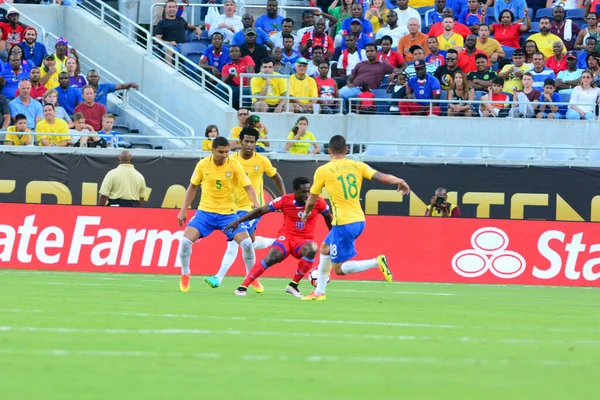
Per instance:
x=293, y=291
x=257, y=286
x=184, y=283
x=212, y=281
x=240, y=291
x=314, y=296
x=385, y=270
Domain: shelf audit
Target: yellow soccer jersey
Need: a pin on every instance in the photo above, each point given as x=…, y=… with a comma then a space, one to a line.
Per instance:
x=17, y=138
x=343, y=180
x=218, y=184
x=451, y=42
x=255, y=167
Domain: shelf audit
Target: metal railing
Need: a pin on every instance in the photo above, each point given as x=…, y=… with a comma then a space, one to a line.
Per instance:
x=193, y=7
x=30, y=22
x=284, y=8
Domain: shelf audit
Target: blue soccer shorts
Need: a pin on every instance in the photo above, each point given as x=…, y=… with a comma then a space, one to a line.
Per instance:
x=341, y=241
x=207, y=222
x=251, y=225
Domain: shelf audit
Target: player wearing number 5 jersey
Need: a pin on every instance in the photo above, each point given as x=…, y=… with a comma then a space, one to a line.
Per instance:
x=343, y=180
x=218, y=176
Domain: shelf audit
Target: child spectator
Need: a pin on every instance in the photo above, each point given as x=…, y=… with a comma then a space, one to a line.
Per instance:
x=328, y=89
x=397, y=87
x=527, y=98
x=112, y=138
x=262, y=132
x=366, y=106
x=549, y=97
x=499, y=108
x=17, y=135
x=89, y=137
x=211, y=132
x=299, y=132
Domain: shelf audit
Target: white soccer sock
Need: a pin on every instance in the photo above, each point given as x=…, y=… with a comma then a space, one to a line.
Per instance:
x=248, y=253
x=354, y=266
x=262, y=242
x=228, y=259
x=185, y=252
x=324, y=271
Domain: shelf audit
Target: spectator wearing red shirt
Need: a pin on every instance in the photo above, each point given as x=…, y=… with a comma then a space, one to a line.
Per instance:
x=390, y=56
x=437, y=29
x=507, y=33
x=367, y=106
x=92, y=111
x=466, y=58
x=37, y=89
x=558, y=62
x=328, y=89
x=231, y=72
x=12, y=31
x=317, y=37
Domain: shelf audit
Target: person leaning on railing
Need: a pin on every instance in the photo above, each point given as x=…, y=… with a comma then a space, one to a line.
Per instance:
x=300, y=132
x=439, y=206
x=272, y=87
x=583, y=98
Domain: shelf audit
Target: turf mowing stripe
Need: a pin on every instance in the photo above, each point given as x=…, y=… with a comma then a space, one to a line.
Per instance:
x=371, y=291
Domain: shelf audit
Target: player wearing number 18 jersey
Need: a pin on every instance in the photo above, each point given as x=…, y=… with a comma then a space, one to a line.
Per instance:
x=343, y=180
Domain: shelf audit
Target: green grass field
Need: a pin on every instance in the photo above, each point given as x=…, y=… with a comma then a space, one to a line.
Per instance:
x=101, y=336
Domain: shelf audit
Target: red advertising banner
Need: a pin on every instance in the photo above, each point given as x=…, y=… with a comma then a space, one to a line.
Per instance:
x=112, y=239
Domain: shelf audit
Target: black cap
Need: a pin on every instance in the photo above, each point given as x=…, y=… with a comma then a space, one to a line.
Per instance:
x=420, y=64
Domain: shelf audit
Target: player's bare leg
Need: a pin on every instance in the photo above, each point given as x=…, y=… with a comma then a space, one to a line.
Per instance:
x=190, y=236
x=308, y=252
x=274, y=256
x=324, y=270
x=245, y=242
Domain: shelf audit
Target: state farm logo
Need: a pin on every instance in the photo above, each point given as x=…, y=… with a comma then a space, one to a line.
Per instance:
x=488, y=252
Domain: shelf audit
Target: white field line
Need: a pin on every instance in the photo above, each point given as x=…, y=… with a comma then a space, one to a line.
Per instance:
x=284, y=358
x=237, y=332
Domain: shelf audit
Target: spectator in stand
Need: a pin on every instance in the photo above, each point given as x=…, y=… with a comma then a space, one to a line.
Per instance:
x=256, y=51
x=489, y=46
x=445, y=73
x=540, y=72
x=414, y=38
x=51, y=124
x=482, y=78
x=584, y=98
x=261, y=36
x=507, y=32
x=272, y=87
x=37, y=89
x=547, y=107
x=590, y=31
x=397, y=87
x=24, y=104
x=436, y=56
x=51, y=96
x=512, y=74
x=593, y=62
x=450, y=39
x=5, y=111
x=472, y=16
x=254, y=122
x=12, y=73
x=317, y=37
x=287, y=26
x=112, y=138
x=565, y=29
x=361, y=38
x=104, y=89
x=377, y=15
x=558, y=62
x=529, y=48
x=318, y=57
x=68, y=96
x=229, y=25
x=280, y=66
x=405, y=13
x=419, y=54
x=49, y=72
x=357, y=16
x=302, y=85
x=566, y=4
x=518, y=8
x=366, y=105
x=393, y=30
x=61, y=53
x=3, y=49
x=16, y=50
x=171, y=29
x=438, y=28
x=349, y=59
x=568, y=79
x=73, y=70
x=32, y=50
x=527, y=99
x=423, y=86
x=328, y=89
x=211, y=132
x=457, y=6
x=466, y=58
x=440, y=207
x=88, y=138
x=460, y=91
x=544, y=39
x=288, y=54
x=390, y=56
x=590, y=47
x=308, y=23
x=300, y=132
x=12, y=31
x=371, y=72
x=436, y=14
x=271, y=21
x=500, y=108
x=231, y=72
x=340, y=12
x=215, y=56
x=19, y=134
x=243, y=117
x=92, y=111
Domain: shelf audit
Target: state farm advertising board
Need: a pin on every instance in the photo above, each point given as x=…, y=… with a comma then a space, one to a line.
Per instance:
x=112, y=239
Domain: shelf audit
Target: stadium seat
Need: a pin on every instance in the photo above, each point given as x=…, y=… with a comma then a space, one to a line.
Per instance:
x=423, y=10
x=565, y=153
x=593, y=155
x=192, y=47
x=519, y=153
x=535, y=28
x=381, y=150
x=382, y=107
x=491, y=14
x=121, y=129
x=473, y=152
x=543, y=12
x=146, y=146
x=576, y=13
x=195, y=57
x=433, y=150
x=508, y=50
x=566, y=97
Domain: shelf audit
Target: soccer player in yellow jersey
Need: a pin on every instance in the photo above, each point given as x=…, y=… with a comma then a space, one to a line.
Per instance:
x=343, y=179
x=255, y=166
x=218, y=176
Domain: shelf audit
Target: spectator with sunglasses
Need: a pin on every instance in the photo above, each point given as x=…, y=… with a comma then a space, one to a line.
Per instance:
x=243, y=115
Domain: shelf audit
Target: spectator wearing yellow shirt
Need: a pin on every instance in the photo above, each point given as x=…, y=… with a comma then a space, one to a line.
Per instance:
x=51, y=124
x=272, y=87
x=255, y=123
x=299, y=132
x=211, y=132
x=20, y=136
x=49, y=72
x=450, y=39
x=544, y=39
x=489, y=46
x=377, y=15
x=302, y=85
x=512, y=74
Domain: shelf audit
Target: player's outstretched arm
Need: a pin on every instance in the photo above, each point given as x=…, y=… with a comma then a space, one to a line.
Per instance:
x=310, y=204
x=392, y=180
x=257, y=212
x=278, y=182
x=190, y=193
x=252, y=194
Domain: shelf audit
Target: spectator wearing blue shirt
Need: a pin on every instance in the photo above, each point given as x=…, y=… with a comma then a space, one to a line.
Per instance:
x=435, y=14
x=357, y=12
x=471, y=17
x=458, y=6
x=540, y=72
x=104, y=89
x=33, y=51
x=590, y=47
x=24, y=104
x=289, y=55
x=68, y=96
x=261, y=36
x=422, y=86
x=549, y=96
x=12, y=73
x=215, y=56
x=517, y=7
x=271, y=21
x=568, y=79
x=112, y=138
x=362, y=40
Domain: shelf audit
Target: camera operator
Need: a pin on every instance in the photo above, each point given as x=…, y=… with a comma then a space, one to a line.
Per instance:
x=439, y=207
